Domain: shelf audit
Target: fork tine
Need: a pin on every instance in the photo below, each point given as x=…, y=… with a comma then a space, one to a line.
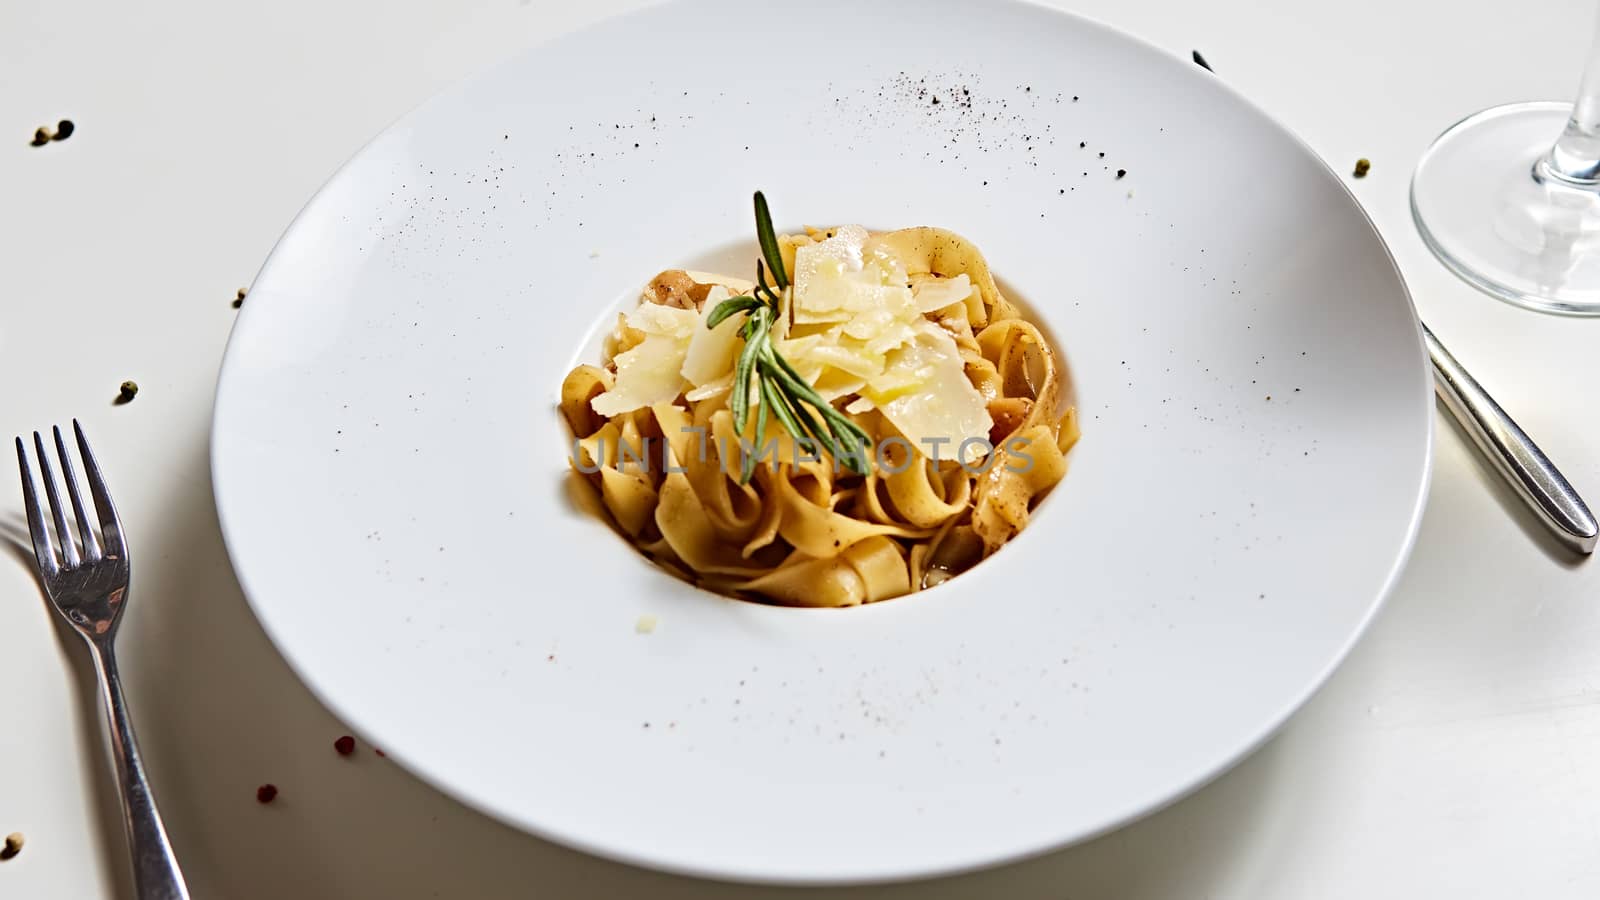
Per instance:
x=91, y=547
x=110, y=525
x=36, y=527
x=69, y=551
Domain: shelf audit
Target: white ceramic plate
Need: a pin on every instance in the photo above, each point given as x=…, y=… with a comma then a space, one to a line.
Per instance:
x=390, y=467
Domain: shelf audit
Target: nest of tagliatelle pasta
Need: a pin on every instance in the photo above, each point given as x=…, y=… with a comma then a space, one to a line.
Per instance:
x=868, y=418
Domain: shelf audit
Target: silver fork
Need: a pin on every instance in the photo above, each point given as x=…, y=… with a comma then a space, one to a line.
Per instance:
x=90, y=588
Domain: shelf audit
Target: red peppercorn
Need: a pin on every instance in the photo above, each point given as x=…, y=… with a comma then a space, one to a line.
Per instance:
x=345, y=745
x=266, y=792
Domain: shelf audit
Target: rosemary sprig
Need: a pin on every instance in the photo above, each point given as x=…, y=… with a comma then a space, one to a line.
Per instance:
x=780, y=390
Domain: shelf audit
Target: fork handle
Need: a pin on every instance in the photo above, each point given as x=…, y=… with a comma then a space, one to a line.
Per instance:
x=156, y=875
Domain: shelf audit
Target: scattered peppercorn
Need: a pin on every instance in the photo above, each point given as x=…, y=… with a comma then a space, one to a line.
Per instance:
x=1201, y=61
x=266, y=793
x=1082, y=144
x=1102, y=154
x=345, y=745
x=1121, y=172
x=126, y=392
x=43, y=135
x=1362, y=167
x=239, y=300
x=13, y=845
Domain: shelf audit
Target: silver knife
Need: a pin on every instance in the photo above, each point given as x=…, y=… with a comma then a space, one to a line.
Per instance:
x=1517, y=458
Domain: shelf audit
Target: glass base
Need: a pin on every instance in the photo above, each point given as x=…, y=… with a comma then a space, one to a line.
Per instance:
x=1492, y=213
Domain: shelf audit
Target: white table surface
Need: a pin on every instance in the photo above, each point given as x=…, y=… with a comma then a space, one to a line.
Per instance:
x=1456, y=754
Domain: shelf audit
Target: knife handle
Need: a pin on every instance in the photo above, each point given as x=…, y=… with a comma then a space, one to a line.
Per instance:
x=1514, y=455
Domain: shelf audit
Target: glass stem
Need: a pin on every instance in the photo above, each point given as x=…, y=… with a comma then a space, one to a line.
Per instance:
x=1575, y=158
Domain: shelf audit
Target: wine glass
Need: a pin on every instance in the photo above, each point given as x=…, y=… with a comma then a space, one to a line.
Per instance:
x=1515, y=216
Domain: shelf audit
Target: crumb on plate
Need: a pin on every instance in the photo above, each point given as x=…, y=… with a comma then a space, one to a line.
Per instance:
x=645, y=625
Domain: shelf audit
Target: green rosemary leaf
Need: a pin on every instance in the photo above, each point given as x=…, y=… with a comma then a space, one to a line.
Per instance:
x=739, y=397
x=809, y=430
x=739, y=403
x=841, y=421
x=840, y=430
x=763, y=404
x=808, y=394
x=731, y=307
x=769, y=242
x=805, y=392
x=766, y=294
x=772, y=398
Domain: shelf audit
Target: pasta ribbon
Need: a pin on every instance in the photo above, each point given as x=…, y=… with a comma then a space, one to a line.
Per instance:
x=867, y=572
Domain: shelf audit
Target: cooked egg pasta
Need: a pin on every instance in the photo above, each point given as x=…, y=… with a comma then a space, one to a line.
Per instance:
x=906, y=335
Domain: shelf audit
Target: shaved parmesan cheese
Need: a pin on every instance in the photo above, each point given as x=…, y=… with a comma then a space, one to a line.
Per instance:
x=712, y=351
x=849, y=357
x=933, y=294
x=826, y=260
x=834, y=282
x=832, y=384
x=734, y=284
x=650, y=372
x=710, y=389
x=933, y=402
x=668, y=321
